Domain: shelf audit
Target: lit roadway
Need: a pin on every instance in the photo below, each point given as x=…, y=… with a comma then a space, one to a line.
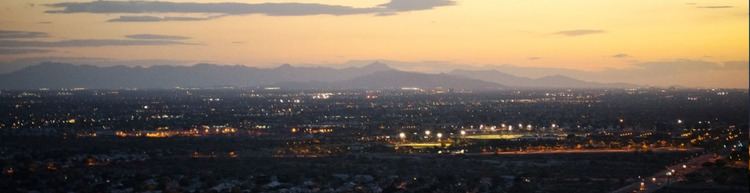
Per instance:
x=564, y=151
x=665, y=177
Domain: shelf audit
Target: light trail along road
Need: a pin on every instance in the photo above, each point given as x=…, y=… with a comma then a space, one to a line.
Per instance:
x=670, y=175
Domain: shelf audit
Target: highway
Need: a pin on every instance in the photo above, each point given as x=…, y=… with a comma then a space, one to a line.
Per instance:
x=572, y=151
x=669, y=175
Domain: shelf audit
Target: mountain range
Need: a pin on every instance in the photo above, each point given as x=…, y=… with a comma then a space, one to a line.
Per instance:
x=555, y=81
x=373, y=76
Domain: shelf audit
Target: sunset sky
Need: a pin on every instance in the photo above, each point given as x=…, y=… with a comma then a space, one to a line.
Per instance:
x=697, y=43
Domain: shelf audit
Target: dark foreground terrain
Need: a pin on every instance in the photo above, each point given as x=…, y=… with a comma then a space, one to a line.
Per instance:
x=171, y=165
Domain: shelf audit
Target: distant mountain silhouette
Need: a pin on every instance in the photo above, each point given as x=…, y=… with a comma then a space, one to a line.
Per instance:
x=557, y=81
x=401, y=79
x=375, y=75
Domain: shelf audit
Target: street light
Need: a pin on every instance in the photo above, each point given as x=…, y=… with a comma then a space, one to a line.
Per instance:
x=427, y=132
x=439, y=135
x=463, y=132
x=402, y=135
x=669, y=177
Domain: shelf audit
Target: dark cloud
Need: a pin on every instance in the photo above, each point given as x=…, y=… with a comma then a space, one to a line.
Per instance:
x=412, y=5
x=8, y=34
x=579, y=32
x=156, y=37
x=223, y=9
x=385, y=14
x=218, y=8
x=621, y=55
x=715, y=7
x=88, y=43
x=14, y=51
x=137, y=18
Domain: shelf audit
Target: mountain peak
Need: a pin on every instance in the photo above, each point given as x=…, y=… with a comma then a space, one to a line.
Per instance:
x=558, y=77
x=283, y=66
x=54, y=64
x=465, y=71
x=377, y=65
x=206, y=65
